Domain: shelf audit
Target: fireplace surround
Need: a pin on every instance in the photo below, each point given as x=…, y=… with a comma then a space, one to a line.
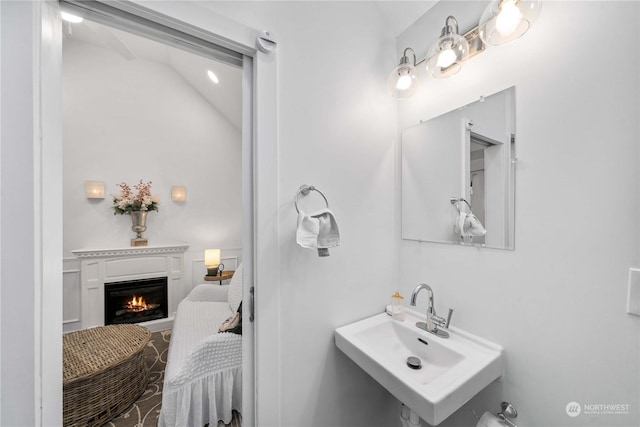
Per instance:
x=100, y=268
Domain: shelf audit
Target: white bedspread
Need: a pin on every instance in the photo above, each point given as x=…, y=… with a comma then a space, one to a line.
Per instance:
x=203, y=376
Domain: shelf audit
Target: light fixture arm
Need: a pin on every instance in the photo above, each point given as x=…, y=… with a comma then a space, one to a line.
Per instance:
x=405, y=57
x=447, y=28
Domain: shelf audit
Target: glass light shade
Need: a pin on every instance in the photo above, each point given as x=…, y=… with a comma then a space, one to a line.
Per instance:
x=212, y=257
x=445, y=57
x=179, y=193
x=506, y=20
x=403, y=81
x=94, y=189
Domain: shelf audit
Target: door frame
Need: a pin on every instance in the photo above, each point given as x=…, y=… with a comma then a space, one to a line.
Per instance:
x=260, y=194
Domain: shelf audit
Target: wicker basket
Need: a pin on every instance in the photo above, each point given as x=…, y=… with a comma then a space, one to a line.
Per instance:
x=104, y=372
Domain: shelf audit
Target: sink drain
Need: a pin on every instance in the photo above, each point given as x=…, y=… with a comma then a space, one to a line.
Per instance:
x=414, y=362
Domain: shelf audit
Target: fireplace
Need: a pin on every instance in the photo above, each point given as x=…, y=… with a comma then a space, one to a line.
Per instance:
x=135, y=301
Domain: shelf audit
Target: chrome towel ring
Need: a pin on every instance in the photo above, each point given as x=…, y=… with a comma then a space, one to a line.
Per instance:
x=304, y=190
x=454, y=201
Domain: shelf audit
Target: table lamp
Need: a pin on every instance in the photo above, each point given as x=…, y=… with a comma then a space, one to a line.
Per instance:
x=212, y=261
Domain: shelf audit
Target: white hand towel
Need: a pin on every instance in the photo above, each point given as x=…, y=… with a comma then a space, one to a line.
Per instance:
x=467, y=224
x=308, y=229
x=318, y=230
x=458, y=226
x=474, y=227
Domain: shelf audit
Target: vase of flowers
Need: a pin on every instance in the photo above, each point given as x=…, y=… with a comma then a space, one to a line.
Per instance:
x=137, y=206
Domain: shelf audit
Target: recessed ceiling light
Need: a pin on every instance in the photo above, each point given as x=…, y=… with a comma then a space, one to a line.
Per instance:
x=71, y=18
x=212, y=76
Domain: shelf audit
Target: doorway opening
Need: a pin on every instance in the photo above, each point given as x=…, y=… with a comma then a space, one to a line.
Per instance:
x=136, y=108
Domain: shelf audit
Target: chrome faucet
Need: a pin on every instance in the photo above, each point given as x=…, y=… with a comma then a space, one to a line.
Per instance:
x=433, y=320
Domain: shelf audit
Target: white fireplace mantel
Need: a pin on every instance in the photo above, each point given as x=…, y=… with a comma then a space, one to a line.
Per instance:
x=101, y=266
x=130, y=251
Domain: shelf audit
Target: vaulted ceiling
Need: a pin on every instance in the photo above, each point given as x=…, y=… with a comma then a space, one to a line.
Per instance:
x=225, y=96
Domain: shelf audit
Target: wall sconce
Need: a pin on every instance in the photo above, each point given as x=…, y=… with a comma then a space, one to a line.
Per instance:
x=501, y=22
x=212, y=261
x=179, y=193
x=94, y=189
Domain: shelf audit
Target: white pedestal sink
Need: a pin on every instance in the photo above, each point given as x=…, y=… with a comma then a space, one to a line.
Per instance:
x=453, y=369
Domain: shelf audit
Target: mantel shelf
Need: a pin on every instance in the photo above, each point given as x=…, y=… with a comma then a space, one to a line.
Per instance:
x=130, y=251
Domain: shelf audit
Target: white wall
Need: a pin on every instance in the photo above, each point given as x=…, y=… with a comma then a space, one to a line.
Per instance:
x=130, y=120
x=336, y=131
x=556, y=303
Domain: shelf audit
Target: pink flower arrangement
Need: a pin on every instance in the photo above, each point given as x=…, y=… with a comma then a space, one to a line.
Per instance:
x=127, y=202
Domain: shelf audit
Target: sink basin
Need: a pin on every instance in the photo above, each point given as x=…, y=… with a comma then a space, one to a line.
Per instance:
x=453, y=369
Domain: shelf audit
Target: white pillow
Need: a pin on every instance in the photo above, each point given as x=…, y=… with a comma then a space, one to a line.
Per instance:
x=235, y=290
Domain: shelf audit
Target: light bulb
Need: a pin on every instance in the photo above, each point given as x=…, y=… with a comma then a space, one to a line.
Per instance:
x=404, y=82
x=505, y=20
x=446, y=58
x=509, y=18
x=71, y=18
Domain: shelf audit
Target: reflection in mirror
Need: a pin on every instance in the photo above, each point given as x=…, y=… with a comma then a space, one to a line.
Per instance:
x=458, y=175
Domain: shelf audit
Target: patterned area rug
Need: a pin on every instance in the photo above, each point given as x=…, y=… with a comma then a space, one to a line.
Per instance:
x=146, y=410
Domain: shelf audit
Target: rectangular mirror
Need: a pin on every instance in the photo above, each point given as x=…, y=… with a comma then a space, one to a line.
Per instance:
x=458, y=183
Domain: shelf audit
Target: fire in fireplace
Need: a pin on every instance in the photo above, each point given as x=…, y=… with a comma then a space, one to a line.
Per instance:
x=135, y=301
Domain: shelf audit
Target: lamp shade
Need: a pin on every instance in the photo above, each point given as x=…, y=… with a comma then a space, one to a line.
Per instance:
x=446, y=55
x=505, y=20
x=94, y=189
x=403, y=81
x=212, y=257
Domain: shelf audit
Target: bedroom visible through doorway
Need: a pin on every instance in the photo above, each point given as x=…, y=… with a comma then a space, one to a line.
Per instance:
x=137, y=109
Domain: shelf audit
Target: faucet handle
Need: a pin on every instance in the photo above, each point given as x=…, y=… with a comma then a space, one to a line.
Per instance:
x=449, y=318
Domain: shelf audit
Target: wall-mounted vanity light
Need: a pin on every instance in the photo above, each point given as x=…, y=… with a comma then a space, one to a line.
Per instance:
x=501, y=22
x=179, y=193
x=94, y=189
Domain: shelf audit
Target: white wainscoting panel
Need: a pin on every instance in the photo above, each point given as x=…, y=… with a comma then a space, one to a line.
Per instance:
x=71, y=295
